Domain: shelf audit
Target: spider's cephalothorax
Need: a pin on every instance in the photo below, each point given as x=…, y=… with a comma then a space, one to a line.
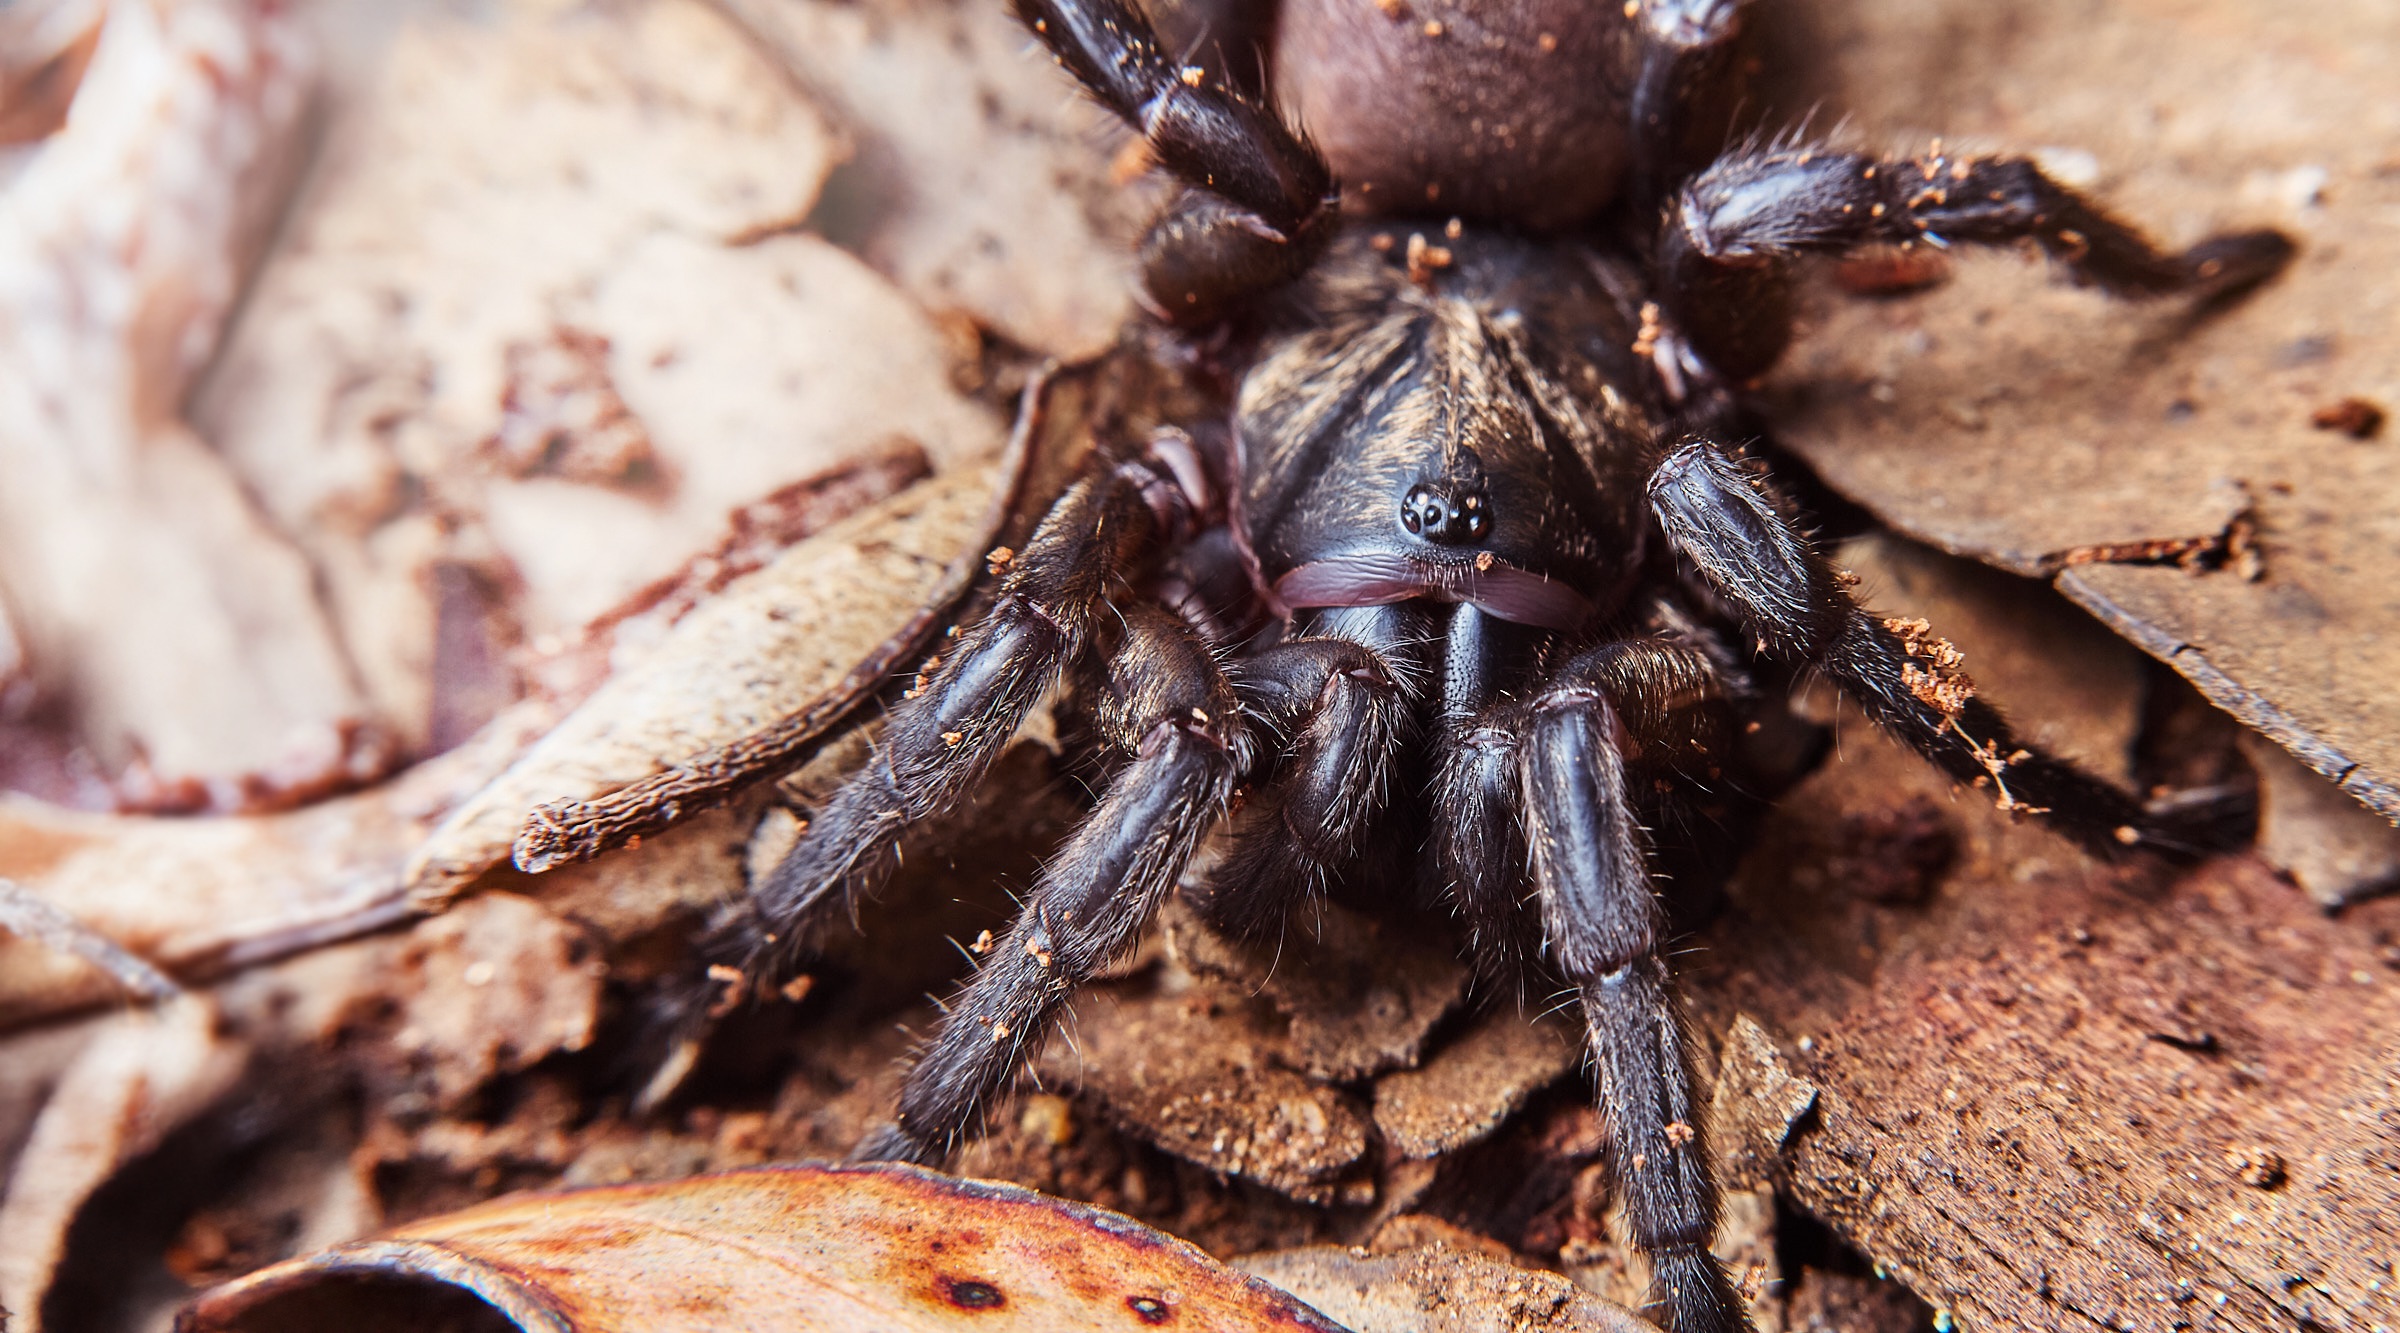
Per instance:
x=1478, y=497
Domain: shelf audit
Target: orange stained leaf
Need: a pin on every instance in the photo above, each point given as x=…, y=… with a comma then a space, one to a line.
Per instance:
x=897, y=1249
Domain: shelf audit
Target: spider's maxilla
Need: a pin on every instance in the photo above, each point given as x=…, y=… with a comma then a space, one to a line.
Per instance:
x=1479, y=494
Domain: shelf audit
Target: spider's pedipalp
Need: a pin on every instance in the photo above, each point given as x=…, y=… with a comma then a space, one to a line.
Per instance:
x=1340, y=700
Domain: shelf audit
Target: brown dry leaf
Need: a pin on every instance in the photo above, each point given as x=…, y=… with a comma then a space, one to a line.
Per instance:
x=766, y=649
x=887, y=1247
x=1475, y=1081
x=179, y=621
x=1195, y=1072
x=2014, y=419
x=1242, y=1058
x=980, y=184
x=502, y=383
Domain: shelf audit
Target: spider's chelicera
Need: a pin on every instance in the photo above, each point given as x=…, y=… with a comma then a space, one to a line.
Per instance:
x=1483, y=519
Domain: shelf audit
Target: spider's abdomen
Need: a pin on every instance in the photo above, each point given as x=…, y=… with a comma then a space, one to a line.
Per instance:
x=1505, y=109
x=1468, y=425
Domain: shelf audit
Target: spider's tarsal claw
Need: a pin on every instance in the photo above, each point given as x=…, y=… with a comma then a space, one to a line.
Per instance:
x=2228, y=265
x=2198, y=821
x=669, y=1076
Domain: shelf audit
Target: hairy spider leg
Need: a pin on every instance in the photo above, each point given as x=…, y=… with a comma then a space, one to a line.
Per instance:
x=1685, y=48
x=1731, y=527
x=939, y=743
x=1260, y=200
x=1339, y=700
x=1174, y=711
x=1193, y=733
x=1602, y=924
x=1725, y=258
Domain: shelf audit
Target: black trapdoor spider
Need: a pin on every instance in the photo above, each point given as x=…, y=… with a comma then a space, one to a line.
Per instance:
x=1475, y=515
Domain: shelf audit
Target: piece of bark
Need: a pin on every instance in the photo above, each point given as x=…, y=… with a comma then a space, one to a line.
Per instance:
x=1757, y=1105
x=1362, y=995
x=1831, y=1302
x=2012, y=418
x=2037, y=1095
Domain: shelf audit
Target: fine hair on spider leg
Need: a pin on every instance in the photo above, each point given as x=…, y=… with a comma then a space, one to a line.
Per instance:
x=1466, y=564
x=1175, y=711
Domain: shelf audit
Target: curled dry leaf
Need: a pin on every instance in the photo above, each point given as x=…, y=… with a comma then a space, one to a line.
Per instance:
x=415, y=1022
x=141, y=1075
x=247, y=889
x=809, y=1247
x=798, y=643
x=198, y=898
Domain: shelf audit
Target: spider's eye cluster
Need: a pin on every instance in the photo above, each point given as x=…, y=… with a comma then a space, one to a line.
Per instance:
x=1440, y=516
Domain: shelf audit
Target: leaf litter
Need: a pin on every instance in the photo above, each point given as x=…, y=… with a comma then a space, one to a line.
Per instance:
x=522, y=483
